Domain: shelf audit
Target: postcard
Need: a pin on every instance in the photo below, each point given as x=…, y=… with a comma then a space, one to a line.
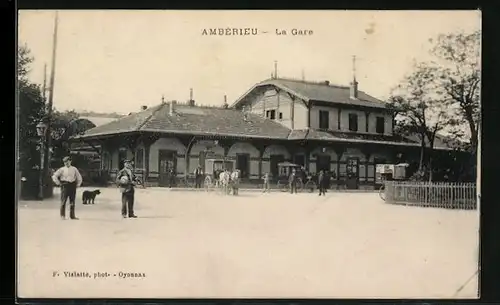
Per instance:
x=248, y=154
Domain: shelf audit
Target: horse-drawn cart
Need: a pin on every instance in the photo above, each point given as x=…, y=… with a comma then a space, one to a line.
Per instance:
x=213, y=167
x=284, y=171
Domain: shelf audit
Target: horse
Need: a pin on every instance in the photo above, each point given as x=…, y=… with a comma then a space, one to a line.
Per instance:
x=235, y=181
x=224, y=180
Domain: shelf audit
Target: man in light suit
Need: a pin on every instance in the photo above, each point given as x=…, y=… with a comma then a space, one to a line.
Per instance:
x=69, y=178
x=127, y=189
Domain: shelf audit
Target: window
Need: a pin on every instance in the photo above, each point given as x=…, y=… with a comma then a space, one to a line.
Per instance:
x=271, y=114
x=139, y=158
x=380, y=124
x=281, y=116
x=353, y=122
x=324, y=119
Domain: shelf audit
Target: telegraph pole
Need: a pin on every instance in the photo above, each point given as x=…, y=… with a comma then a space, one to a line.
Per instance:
x=44, y=83
x=48, y=137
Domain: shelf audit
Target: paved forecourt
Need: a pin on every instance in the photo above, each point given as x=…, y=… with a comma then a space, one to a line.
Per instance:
x=198, y=244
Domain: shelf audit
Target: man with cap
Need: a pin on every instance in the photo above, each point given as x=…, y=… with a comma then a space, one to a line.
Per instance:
x=127, y=189
x=198, y=174
x=69, y=178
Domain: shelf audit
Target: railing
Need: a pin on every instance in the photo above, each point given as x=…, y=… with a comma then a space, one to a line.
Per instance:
x=440, y=195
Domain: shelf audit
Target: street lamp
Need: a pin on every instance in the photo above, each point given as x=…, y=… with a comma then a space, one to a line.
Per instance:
x=41, y=129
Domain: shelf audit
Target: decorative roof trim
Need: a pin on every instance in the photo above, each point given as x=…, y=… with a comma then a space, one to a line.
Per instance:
x=276, y=83
x=218, y=134
x=373, y=142
x=269, y=83
x=163, y=131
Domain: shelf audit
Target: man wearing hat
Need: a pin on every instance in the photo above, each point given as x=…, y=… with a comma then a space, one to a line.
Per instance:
x=127, y=189
x=69, y=178
x=198, y=174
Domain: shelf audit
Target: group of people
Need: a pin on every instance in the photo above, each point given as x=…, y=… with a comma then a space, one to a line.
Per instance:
x=323, y=180
x=228, y=181
x=69, y=179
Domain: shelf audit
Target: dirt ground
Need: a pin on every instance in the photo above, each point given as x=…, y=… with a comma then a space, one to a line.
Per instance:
x=276, y=245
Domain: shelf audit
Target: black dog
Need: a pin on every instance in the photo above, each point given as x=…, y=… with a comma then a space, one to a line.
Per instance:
x=88, y=197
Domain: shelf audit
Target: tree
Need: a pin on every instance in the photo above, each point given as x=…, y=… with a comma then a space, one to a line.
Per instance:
x=30, y=112
x=419, y=111
x=459, y=81
x=62, y=128
x=23, y=63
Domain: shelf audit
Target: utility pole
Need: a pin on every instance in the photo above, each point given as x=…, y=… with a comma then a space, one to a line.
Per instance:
x=354, y=67
x=48, y=137
x=44, y=83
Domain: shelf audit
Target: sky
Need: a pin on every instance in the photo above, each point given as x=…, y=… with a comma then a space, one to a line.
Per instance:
x=117, y=61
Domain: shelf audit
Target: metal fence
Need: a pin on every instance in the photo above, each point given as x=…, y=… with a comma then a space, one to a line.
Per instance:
x=440, y=194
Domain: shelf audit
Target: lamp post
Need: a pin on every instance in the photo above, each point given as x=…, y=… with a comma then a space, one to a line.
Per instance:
x=41, y=129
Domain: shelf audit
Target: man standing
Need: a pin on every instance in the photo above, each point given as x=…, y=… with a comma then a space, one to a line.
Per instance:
x=198, y=173
x=266, y=182
x=171, y=174
x=293, y=182
x=321, y=182
x=69, y=178
x=127, y=189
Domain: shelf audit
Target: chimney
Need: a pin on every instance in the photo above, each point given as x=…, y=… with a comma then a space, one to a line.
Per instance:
x=173, y=105
x=191, y=101
x=354, y=89
x=144, y=107
x=225, y=105
x=353, y=94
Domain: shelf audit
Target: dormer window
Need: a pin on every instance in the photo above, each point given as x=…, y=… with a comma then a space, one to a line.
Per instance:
x=353, y=122
x=271, y=114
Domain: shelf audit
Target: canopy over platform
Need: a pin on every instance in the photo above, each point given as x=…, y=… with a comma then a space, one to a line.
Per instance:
x=288, y=164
